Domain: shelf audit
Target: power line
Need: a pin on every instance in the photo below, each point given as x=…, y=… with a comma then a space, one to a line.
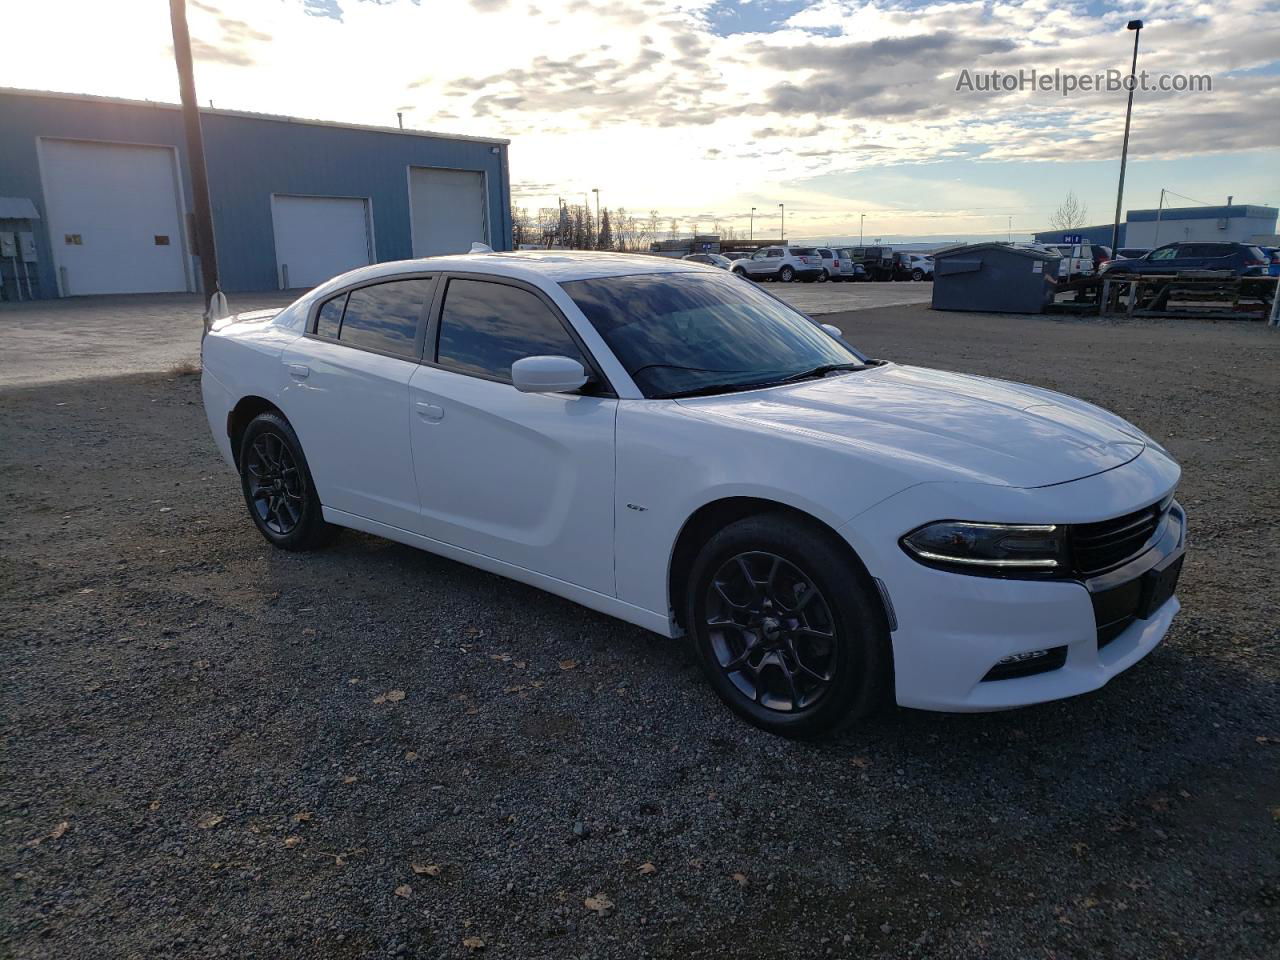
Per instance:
x=1203, y=203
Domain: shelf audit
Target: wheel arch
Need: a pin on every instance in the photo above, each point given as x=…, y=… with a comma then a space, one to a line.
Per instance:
x=241, y=415
x=715, y=515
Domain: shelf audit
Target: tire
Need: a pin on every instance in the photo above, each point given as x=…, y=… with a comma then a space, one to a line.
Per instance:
x=816, y=600
x=917, y=274
x=277, y=486
x=825, y=276
x=738, y=272
x=786, y=274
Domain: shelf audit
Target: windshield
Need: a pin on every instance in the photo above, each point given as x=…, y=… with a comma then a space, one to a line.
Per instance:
x=678, y=333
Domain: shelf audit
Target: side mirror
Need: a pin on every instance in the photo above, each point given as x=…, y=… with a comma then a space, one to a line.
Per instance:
x=833, y=330
x=547, y=375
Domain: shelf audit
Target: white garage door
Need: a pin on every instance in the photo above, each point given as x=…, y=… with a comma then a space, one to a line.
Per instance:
x=319, y=237
x=448, y=209
x=114, y=218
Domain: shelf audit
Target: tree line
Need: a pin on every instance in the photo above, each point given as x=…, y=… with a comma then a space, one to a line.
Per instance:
x=574, y=226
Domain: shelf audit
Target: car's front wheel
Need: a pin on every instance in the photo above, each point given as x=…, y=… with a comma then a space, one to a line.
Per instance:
x=277, y=486
x=785, y=627
x=917, y=274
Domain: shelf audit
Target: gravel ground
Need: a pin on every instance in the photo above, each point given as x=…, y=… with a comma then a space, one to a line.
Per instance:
x=211, y=748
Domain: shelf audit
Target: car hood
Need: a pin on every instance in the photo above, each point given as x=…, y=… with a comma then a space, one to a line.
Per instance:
x=947, y=426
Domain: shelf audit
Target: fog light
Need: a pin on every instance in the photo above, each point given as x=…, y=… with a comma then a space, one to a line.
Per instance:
x=1027, y=664
x=1021, y=657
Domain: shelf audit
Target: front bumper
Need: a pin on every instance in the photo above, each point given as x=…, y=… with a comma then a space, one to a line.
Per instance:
x=952, y=629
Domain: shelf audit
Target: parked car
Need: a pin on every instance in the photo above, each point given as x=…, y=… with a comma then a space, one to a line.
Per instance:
x=710, y=259
x=661, y=442
x=1242, y=259
x=1131, y=253
x=1273, y=255
x=851, y=268
x=877, y=261
x=783, y=263
x=831, y=268
x=912, y=266
x=1080, y=259
x=737, y=255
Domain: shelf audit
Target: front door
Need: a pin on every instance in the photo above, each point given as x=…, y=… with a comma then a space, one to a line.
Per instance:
x=347, y=396
x=525, y=478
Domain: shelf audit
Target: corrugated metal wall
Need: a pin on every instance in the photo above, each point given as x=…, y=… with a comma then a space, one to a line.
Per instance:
x=249, y=159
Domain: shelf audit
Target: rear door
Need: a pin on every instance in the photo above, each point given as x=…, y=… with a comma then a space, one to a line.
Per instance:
x=348, y=397
x=765, y=262
x=525, y=478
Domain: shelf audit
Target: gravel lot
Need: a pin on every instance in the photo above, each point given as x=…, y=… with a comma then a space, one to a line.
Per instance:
x=205, y=751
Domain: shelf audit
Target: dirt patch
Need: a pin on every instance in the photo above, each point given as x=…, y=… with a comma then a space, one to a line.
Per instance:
x=196, y=761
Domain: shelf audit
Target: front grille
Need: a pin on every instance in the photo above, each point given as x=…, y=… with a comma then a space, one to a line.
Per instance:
x=1105, y=545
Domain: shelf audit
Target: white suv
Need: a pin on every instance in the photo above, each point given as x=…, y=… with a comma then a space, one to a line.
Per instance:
x=781, y=263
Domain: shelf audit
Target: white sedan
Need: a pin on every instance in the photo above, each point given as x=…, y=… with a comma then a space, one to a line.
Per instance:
x=662, y=442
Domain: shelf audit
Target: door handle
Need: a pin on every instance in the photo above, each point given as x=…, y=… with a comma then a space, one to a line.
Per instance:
x=430, y=411
x=299, y=371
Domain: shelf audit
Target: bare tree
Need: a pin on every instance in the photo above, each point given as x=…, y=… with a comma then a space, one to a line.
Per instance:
x=1070, y=214
x=675, y=228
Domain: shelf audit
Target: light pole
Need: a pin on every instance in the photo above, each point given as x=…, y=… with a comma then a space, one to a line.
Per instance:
x=596, y=191
x=1136, y=27
x=751, y=226
x=783, y=208
x=861, y=218
x=1010, y=238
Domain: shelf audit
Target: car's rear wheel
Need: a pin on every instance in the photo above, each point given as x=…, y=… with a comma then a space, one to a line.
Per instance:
x=825, y=276
x=785, y=627
x=277, y=486
x=786, y=274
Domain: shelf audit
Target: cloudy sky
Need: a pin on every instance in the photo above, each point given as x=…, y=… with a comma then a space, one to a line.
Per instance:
x=703, y=109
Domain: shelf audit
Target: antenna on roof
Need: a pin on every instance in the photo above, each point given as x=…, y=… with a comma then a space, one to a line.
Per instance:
x=481, y=248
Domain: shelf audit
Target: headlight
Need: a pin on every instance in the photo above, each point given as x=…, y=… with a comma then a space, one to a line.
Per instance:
x=1001, y=549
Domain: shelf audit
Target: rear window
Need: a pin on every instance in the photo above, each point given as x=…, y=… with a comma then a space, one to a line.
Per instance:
x=385, y=317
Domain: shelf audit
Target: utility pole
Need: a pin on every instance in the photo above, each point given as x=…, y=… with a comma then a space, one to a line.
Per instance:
x=861, y=220
x=205, y=248
x=783, y=208
x=1155, y=241
x=596, y=229
x=751, y=228
x=1136, y=27
x=1010, y=237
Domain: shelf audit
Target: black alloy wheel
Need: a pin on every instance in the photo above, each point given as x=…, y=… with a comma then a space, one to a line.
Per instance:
x=772, y=631
x=786, y=627
x=278, y=488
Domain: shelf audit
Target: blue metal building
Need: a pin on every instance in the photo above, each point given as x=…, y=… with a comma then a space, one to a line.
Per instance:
x=294, y=201
x=1239, y=222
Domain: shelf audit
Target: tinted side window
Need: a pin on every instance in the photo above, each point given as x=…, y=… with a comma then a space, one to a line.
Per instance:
x=385, y=316
x=486, y=327
x=329, y=319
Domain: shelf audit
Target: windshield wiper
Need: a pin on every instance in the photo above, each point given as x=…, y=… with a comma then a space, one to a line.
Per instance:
x=822, y=371
x=707, y=390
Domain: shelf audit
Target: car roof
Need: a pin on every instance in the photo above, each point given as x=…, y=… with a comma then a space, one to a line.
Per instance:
x=556, y=266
